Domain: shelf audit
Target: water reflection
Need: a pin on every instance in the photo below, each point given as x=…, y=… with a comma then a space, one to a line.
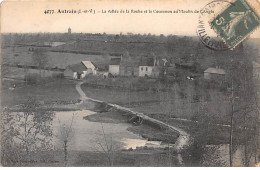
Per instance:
x=135, y=143
x=86, y=134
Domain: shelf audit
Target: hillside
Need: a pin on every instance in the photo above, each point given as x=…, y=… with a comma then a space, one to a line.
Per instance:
x=177, y=49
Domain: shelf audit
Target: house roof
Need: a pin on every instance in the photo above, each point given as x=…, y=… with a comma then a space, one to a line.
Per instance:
x=80, y=67
x=115, y=61
x=89, y=64
x=129, y=62
x=146, y=62
x=215, y=71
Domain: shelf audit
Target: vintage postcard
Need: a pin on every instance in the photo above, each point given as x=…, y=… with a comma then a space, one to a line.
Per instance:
x=149, y=83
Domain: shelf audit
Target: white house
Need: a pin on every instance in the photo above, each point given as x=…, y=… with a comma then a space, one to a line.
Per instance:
x=148, y=67
x=114, y=66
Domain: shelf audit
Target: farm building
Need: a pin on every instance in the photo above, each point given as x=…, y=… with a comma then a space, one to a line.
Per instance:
x=214, y=74
x=75, y=71
x=91, y=67
x=149, y=67
x=114, y=66
x=128, y=66
x=80, y=70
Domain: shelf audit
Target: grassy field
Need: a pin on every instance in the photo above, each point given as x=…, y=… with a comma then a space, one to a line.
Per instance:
x=180, y=101
x=59, y=91
x=21, y=55
x=212, y=114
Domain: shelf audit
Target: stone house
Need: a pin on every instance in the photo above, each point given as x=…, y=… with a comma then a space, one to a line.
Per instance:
x=149, y=67
x=114, y=66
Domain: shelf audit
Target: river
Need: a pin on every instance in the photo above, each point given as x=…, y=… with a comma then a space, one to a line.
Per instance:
x=88, y=136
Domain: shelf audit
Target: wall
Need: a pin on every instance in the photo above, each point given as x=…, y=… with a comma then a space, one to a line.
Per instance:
x=143, y=71
x=114, y=69
x=207, y=76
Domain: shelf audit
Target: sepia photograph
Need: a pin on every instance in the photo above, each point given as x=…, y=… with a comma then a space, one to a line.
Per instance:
x=113, y=83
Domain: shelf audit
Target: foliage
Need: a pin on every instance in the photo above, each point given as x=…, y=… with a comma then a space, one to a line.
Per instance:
x=66, y=135
x=30, y=129
x=10, y=150
x=200, y=153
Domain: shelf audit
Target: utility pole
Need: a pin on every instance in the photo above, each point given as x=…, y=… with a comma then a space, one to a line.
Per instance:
x=231, y=126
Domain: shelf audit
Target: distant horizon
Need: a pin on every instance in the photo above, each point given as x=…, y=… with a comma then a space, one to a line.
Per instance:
x=108, y=33
x=142, y=34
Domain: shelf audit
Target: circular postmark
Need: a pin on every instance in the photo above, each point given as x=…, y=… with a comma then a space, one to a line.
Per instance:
x=204, y=31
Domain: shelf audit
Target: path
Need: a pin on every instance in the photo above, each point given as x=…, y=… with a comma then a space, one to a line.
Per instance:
x=183, y=140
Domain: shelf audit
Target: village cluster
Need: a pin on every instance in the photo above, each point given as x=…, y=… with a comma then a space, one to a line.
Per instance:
x=146, y=67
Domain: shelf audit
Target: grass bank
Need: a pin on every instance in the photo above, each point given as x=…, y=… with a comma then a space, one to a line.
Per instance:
x=179, y=100
x=59, y=91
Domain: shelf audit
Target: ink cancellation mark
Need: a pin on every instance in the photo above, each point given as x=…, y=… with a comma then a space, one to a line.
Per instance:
x=204, y=31
x=235, y=23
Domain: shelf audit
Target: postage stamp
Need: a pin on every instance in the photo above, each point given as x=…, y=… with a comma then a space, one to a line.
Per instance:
x=204, y=31
x=235, y=23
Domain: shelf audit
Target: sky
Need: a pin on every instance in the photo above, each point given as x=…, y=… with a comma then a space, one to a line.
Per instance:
x=27, y=16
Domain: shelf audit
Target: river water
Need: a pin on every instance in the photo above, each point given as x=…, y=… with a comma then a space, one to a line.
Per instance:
x=89, y=136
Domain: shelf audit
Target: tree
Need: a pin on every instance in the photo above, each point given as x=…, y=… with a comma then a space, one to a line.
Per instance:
x=10, y=150
x=35, y=123
x=105, y=143
x=66, y=134
x=243, y=131
x=200, y=153
x=257, y=131
x=256, y=87
x=40, y=59
x=31, y=128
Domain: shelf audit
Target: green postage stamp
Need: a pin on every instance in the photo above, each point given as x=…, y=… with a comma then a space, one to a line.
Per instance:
x=235, y=22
